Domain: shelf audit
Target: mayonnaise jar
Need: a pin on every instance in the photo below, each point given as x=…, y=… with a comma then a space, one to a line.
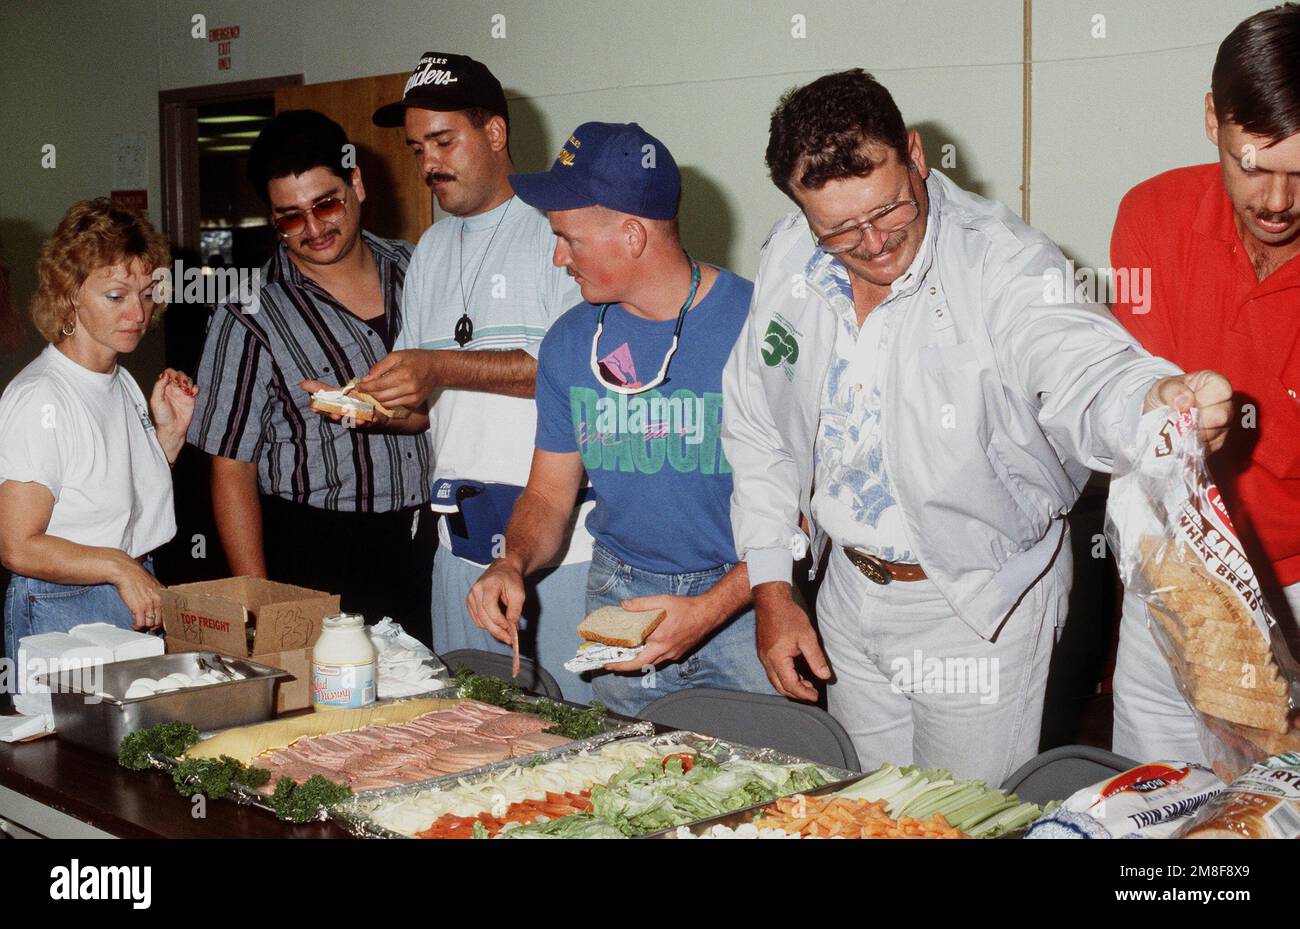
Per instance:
x=343, y=664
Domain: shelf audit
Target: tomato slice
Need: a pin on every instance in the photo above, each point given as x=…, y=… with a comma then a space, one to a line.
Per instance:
x=686, y=758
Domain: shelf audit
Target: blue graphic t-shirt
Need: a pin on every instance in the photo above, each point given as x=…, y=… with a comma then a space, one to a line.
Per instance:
x=655, y=461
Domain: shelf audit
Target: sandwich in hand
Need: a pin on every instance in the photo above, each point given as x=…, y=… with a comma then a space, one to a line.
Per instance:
x=612, y=634
x=350, y=402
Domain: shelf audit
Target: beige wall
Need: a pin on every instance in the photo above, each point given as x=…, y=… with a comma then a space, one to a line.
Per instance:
x=702, y=75
x=59, y=87
x=1111, y=112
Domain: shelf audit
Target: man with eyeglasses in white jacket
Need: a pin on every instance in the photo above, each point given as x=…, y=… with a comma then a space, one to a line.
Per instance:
x=907, y=383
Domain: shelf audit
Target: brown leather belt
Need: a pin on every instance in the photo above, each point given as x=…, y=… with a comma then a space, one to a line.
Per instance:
x=880, y=571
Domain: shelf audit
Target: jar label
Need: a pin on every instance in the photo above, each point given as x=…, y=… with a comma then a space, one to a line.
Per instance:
x=343, y=685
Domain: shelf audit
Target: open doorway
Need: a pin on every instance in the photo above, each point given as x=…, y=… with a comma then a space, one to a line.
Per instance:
x=233, y=227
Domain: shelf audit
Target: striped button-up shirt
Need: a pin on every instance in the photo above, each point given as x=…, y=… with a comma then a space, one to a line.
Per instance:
x=252, y=409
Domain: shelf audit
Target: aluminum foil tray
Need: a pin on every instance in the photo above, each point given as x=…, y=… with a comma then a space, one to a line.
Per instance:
x=749, y=813
x=354, y=814
x=615, y=729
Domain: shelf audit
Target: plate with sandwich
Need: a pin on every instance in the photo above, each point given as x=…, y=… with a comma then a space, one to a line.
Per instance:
x=347, y=401
x=612, y=634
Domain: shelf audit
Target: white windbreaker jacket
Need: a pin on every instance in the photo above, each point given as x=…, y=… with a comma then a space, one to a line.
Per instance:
x=997, y=398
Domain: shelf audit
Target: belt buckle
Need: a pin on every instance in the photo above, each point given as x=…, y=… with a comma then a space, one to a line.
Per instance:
x=870, y=566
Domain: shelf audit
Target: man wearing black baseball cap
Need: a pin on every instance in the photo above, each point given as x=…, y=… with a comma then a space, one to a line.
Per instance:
x=629, y=396
x=481, y=292
x=446, y=82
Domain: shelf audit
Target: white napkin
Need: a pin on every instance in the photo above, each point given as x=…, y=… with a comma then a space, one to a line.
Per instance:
x=13, y=728
x=125, y=643
x=50, y=652
x=34, y=704
x=593, y=656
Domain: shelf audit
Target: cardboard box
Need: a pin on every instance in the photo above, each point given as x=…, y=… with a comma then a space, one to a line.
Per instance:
x=286, y=620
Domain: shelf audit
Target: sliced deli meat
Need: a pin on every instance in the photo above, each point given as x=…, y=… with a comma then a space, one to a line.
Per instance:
x=536, y=742
x=471, y=755
x=512, y=724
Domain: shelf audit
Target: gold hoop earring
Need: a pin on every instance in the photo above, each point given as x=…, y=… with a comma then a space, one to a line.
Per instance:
x=68, y=329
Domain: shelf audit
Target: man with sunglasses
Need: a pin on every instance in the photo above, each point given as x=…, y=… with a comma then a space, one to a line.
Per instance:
x=629, y=397
x=908, y=385
x=300, y=497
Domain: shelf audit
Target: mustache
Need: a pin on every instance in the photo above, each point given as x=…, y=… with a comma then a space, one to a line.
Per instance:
x=890, y=245
x=1275, y=217
x=437, y=176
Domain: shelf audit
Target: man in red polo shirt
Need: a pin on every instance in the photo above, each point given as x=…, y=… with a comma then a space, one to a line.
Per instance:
x=1222, y=242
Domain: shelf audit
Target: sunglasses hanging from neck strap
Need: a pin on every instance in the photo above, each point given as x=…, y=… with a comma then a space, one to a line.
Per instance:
x=662, y=376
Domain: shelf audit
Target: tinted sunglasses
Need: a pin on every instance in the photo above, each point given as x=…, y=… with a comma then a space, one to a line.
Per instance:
x=328, y=210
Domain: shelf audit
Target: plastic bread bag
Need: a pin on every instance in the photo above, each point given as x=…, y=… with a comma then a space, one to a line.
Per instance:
x=1176, y=548
x=1264, y=803
x=1150, y=801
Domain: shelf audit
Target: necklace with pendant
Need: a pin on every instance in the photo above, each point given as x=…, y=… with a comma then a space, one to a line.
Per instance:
x=464, y=332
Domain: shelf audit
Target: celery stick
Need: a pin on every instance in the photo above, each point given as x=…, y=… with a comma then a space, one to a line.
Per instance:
x=978, y=795
x=994, y=803
x=937, y=774
x=886, y=772
x=874, y=786
x=979, y=807
x=928, y=804
x=907, y=794
x=1024, y=814
x=970, y=792
x=895, y=789
x=1021, y=815
x=933, y=789
x=907, y=782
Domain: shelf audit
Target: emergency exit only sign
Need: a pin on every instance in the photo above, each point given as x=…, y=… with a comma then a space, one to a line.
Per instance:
x=224, y=53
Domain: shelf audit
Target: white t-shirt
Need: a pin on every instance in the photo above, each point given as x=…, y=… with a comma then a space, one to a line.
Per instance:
x=88, y=438
x=499, y=264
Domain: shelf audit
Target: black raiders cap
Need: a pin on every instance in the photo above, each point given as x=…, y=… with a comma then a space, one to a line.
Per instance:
x=446, y=82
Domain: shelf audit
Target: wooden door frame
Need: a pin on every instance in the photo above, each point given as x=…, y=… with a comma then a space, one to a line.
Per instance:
x=178, y=142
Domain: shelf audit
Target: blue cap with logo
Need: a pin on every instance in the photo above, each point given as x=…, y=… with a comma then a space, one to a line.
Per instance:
x=615, y=165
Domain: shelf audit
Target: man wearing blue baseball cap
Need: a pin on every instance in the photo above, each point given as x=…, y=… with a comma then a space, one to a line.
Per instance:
x=629, y=394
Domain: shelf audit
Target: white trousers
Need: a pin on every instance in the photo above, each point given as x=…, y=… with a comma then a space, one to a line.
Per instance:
x=1152, y=720
x=915, y=685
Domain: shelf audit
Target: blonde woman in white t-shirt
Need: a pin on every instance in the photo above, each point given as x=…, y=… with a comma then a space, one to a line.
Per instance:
x=85, y=480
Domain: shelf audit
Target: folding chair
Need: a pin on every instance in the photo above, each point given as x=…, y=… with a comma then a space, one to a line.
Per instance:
x=532, y=677
x=760, y=720
x=1057, y=773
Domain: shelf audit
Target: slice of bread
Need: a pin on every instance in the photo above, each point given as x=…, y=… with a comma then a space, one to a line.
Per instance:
x=397, y=412
x=348, y=401
x=613, y=625
x=1247, y=676
x=358, y=409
